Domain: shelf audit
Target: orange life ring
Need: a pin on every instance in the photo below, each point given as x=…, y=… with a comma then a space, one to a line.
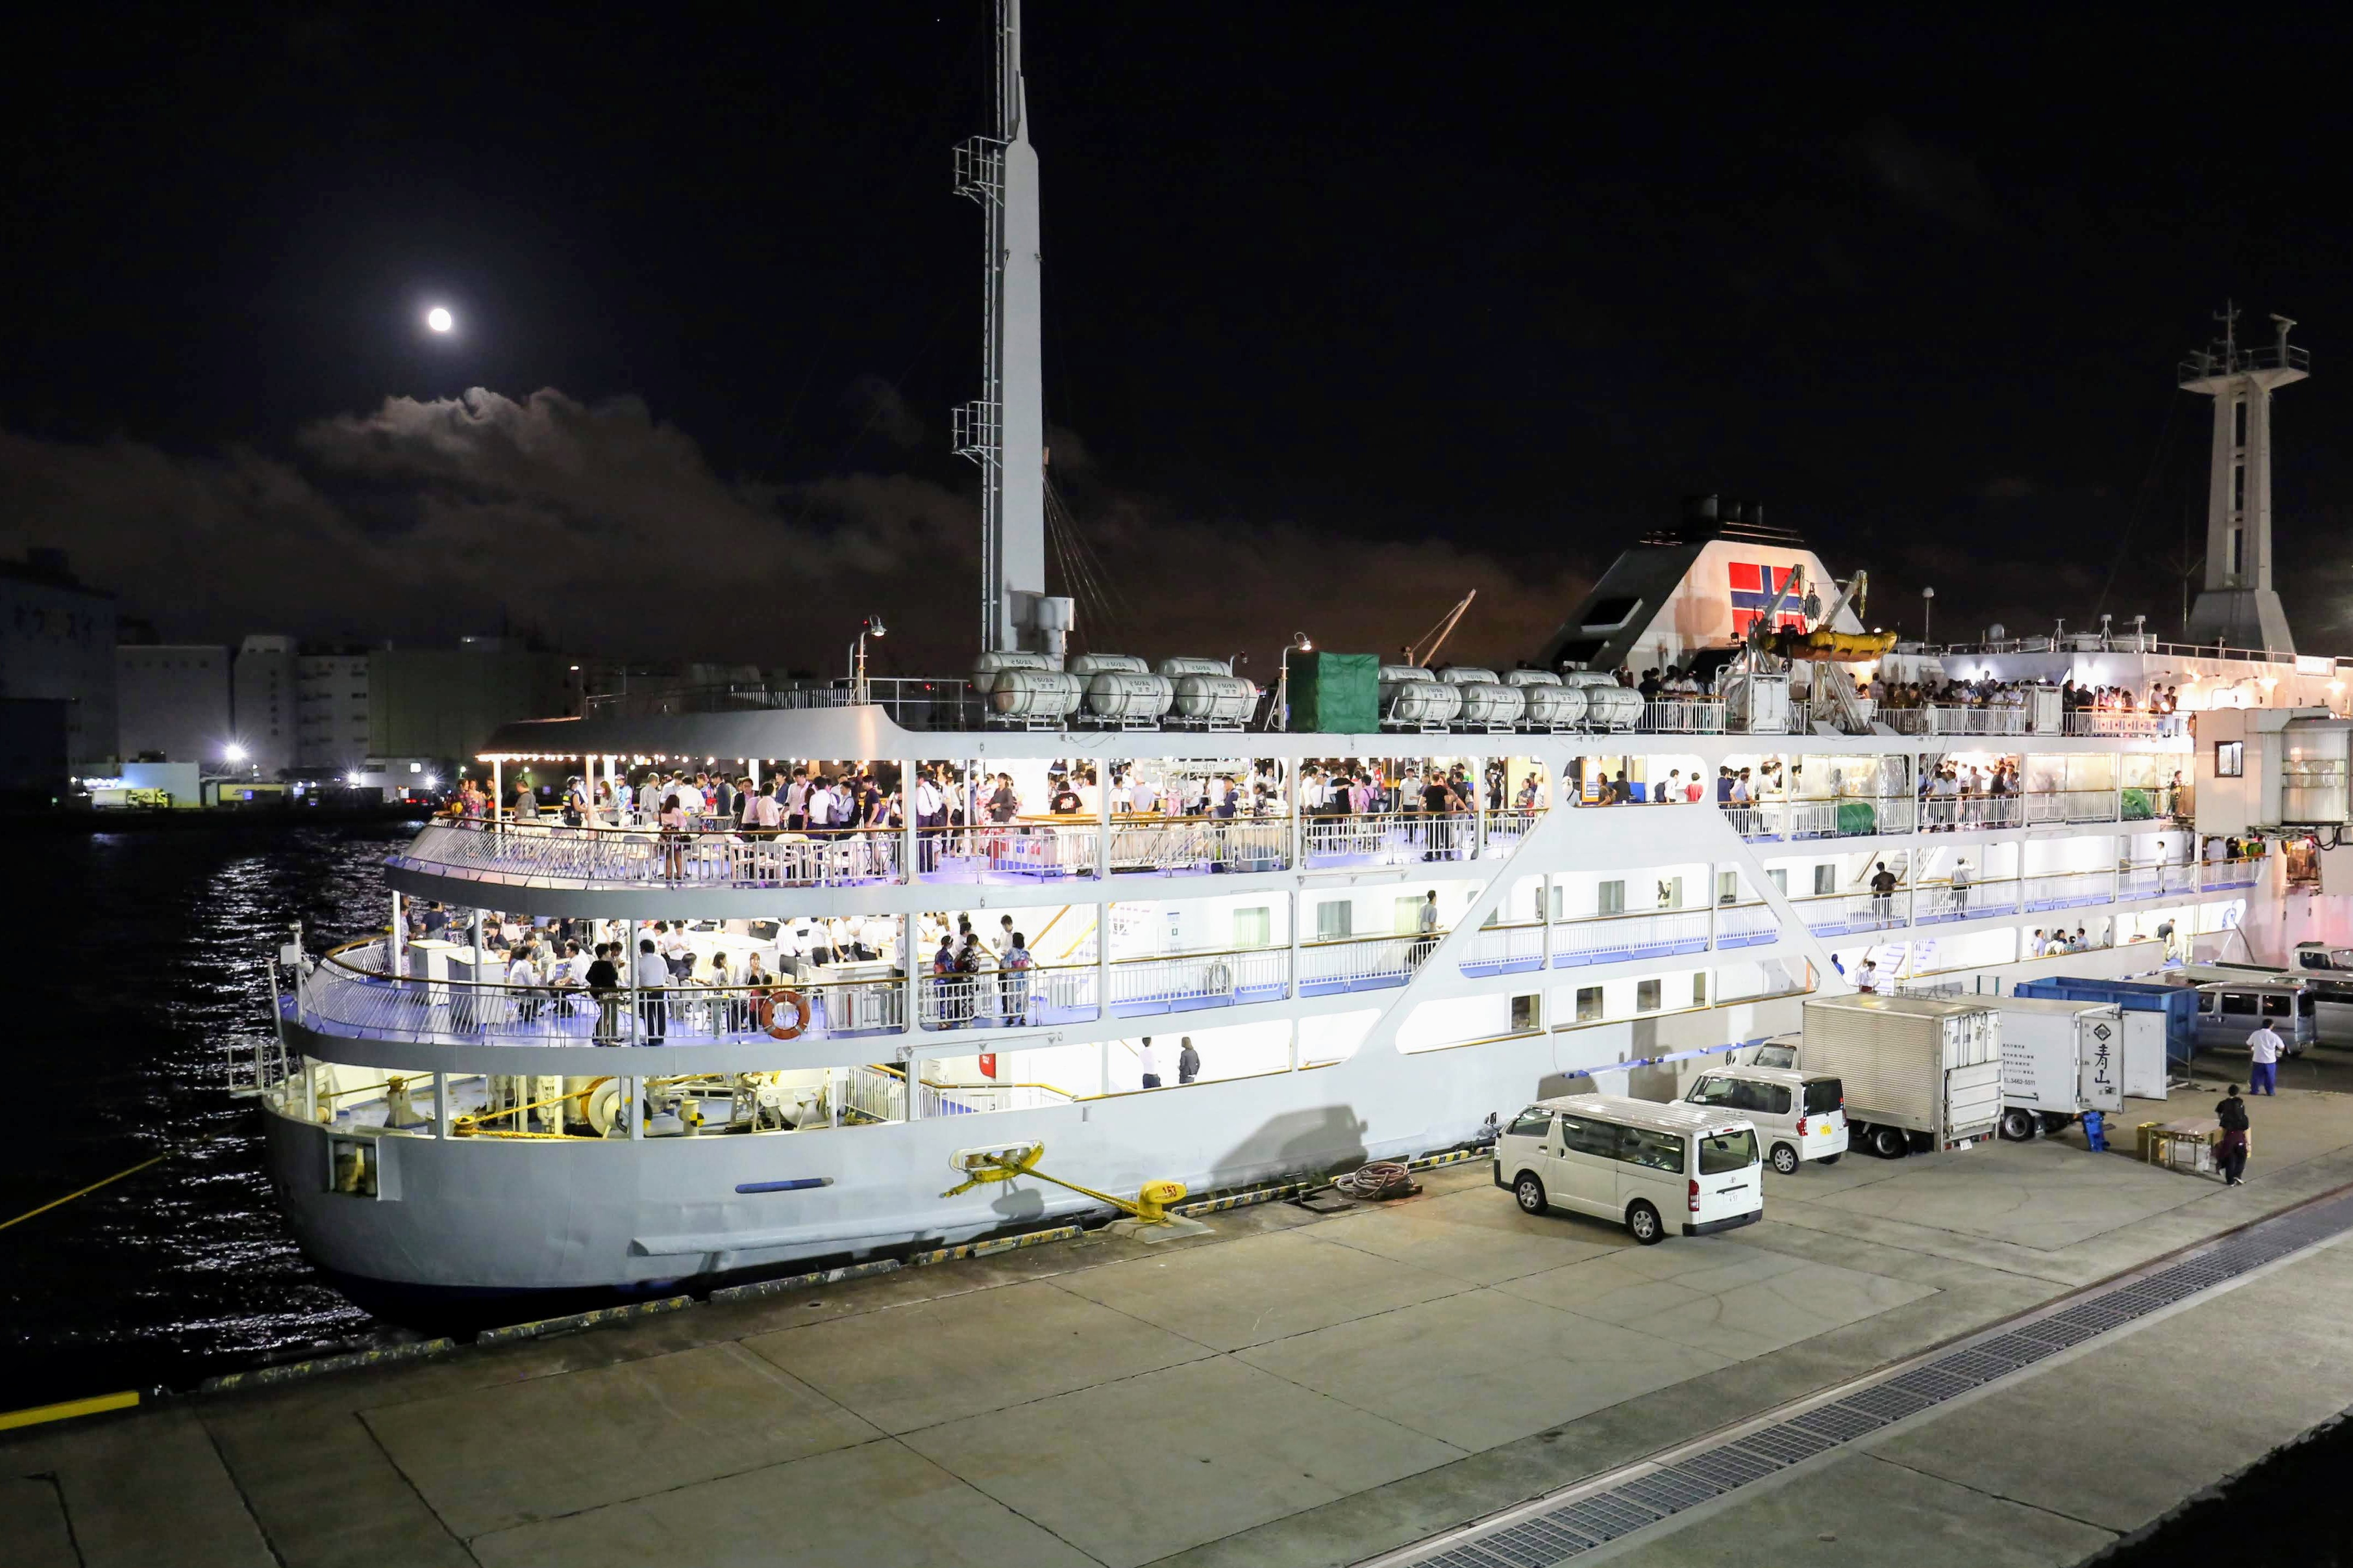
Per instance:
x=797, y=1027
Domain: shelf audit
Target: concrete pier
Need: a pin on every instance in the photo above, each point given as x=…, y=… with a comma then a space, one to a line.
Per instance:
x=1295, y=1389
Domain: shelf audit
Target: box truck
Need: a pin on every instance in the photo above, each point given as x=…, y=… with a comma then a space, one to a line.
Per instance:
x=2059, y=1058
x=1919, y=1074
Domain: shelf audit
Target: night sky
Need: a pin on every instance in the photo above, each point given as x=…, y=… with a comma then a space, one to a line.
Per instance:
x=1348, y=310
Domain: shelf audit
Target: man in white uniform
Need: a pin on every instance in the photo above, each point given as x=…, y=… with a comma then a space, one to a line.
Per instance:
x=2263, y=1049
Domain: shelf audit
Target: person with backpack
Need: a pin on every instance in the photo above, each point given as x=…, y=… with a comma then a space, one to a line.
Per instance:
x=2230, y=1153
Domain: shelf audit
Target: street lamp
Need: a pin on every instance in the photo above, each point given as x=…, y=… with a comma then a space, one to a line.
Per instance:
x=871, y=627
x=1927, y=604
x=1278, y=715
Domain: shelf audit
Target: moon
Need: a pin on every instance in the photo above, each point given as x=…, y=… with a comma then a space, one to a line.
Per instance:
x=439, y=319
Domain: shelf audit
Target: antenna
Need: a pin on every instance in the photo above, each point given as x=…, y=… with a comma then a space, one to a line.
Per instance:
x=1004, y=430
x=1424, y=648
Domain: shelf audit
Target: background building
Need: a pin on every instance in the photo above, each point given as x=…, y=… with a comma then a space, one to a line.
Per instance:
x=57, y=642
x=263, y=711
x=444, y=702
x=172, y=702
x=331, y=714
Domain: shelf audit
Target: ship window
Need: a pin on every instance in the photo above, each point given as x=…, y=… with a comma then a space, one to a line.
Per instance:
x=1610, y=898
x=1780, y=876
x=1727, y=887
x=1253, y=927
x=1407, y=917
x=1334, y=919
x=2230, y=759
x=1528, y=1012
x=1670, y=892
x=1589, y=1003
x=1646, y=995
x=352, y=1166
x=1699, y=988
x=1825, y=879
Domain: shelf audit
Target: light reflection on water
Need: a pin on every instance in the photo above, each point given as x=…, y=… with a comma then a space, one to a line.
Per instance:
x=138, y=990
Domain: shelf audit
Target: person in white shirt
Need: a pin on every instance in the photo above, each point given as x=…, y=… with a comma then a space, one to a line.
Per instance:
x=1960, y=890
x=2264, y=1048
x=792, y=948
x=652, y=976
x=1866, y=976
x=1142, y=798
x=1148, y=1064
x=523, y=981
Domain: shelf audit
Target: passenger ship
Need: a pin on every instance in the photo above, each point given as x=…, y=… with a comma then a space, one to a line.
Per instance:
x=436, y=1134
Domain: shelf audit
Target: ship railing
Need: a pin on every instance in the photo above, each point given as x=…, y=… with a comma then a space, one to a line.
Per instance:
x=2070, y=889
x=1849, y=815
x=1955, y=718
x=1386, y=839
x=1934, y=903
x=344, y=1000
x=2178, y=876
x=587, y=856
x=1760, y=822
x=1222, y=978
x=1833, y=914
x=1504, y=947
x=1505, y=829
x=2071, y=805
x=1684, y=716
x=2242, y=872
x=873, y=1094
x=970, y=1099
x=1616, y=937
x=1746, y=923
x=1008, y=998
x=1174, y=845
x=1354, y=963
x=1974, y=813
x=2140, y=881
x=1038, y=851
x=2127, y=726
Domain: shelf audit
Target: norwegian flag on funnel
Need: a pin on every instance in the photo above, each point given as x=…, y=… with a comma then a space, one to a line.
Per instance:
x=1753, y=587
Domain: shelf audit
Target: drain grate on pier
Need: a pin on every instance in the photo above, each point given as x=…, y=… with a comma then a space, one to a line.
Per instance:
x=1568, y=1529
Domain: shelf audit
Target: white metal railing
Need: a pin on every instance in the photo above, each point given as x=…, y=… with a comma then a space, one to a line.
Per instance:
x=1006, y=999
x=1850, y=816
x=346, y=1001
x=1502, y=946
x=1684, y=716
x=2140, y=881
x=2071, y=805
x=972, y=1099
x=1827, y=914
x=2243, y=872
x=2127, y=726
x=2178, y=876
x=2066, y=890
x=1242, y=974
x=874, y=1093
x=1764, y=819
x=1389, y=838
x=1612, y=939
x=1935, y=902
x=1039, y=850
x=1746, y=924
x=1972, y=812
x=1953, y=719
x=1360, y=961
x=628, y=856
x=1174, y=844
x=1505, y=829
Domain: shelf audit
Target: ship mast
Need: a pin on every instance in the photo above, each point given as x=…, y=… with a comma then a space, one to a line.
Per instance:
x=1005, y=429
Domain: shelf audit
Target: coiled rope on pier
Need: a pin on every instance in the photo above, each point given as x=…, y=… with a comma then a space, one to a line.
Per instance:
x=1381, y=1179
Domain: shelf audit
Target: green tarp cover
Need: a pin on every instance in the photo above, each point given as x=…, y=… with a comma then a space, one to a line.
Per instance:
x=2136, y=806
x=1336, y=693
x=1855, y=816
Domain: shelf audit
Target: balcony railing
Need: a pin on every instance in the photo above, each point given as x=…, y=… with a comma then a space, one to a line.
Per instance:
x=1616, y=938
x=1684, y=716
x=591, y=857
x=2068, y=890
x=1174, y=845
x=2071, y=805
x=1950, y=719
x=1388, y=838
x=1746, y=924
x=2244, y=872
x=1935, y=903
x=2127, y=726
x=1833, y=914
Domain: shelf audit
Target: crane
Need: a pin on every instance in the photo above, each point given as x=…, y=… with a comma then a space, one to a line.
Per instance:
x=1424, y=648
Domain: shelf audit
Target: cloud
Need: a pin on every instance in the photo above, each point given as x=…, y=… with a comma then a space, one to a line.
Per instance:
x=2009, y=486
x=1929, y=180
x=608, y=531
x=886, y=411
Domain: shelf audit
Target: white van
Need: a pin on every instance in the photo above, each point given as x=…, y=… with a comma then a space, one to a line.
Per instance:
x=1641, y=1164
x=1773, y=1051
x=1799, y=1116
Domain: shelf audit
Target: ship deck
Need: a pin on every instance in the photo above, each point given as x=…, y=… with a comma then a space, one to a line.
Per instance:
x=1300, y=1388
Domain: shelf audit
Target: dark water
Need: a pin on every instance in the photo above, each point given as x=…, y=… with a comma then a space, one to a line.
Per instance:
x=136, y=986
